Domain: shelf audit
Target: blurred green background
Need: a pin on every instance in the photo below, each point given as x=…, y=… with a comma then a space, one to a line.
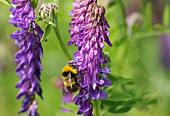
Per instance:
x=139, y=33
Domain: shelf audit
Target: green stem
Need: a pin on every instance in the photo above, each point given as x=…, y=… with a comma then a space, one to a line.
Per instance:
x=63, y=47
x=121, y=5
x=169, y=13
x=96, y=108
x=7, y=2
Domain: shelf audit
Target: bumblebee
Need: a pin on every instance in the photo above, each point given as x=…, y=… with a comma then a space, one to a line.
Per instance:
x=69, y=77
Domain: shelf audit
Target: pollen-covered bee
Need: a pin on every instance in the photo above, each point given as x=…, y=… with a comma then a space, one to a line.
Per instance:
x=69, y=77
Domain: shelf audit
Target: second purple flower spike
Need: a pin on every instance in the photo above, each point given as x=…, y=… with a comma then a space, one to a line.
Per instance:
x=88, y=32
x=28, y=56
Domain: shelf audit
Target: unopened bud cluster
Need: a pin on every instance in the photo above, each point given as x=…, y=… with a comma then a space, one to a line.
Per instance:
x=46, y=9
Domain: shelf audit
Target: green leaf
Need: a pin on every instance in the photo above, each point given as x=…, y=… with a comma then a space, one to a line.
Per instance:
x=119, y=96
x=46, y=32
x=34, y=3
x=117, y=106
x=125, y=81
x=111, y=3
x=38, y=18
x=146, y=99
x=120, y=80
x=120, y=109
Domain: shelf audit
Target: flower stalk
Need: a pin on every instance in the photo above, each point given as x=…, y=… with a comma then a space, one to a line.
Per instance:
x=63, y=47
x=48, y=12
x=97, y=107
x=123, y=13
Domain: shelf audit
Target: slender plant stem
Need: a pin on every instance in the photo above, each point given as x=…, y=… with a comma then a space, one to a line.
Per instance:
x=7, y=2
x=96, y=107
x=63, y=47
x=121, y=5
x=169, y=13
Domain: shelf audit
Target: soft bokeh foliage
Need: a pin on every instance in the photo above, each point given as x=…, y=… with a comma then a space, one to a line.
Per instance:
x=136, y=58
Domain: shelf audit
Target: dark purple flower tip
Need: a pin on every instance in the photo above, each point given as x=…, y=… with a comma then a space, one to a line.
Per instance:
x=22, y=110
x=37, y=88
x=107, y=40
x=80, y=112
x=70, y=42
x=38, y=74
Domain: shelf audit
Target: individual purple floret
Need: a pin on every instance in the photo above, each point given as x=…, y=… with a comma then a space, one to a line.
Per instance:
x=28, y=56
x=88, y=32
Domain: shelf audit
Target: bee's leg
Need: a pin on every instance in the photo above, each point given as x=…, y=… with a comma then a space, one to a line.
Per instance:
x=64, y=92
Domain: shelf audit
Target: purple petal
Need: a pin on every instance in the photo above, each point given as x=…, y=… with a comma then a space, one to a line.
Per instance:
x=103, y=94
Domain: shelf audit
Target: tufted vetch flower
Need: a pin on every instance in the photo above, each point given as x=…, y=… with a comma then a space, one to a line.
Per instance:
x=89, y=30
x=27, y=38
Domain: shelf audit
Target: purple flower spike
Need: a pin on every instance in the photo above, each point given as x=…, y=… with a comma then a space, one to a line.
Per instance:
x=89, y=30
x=28, y=57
